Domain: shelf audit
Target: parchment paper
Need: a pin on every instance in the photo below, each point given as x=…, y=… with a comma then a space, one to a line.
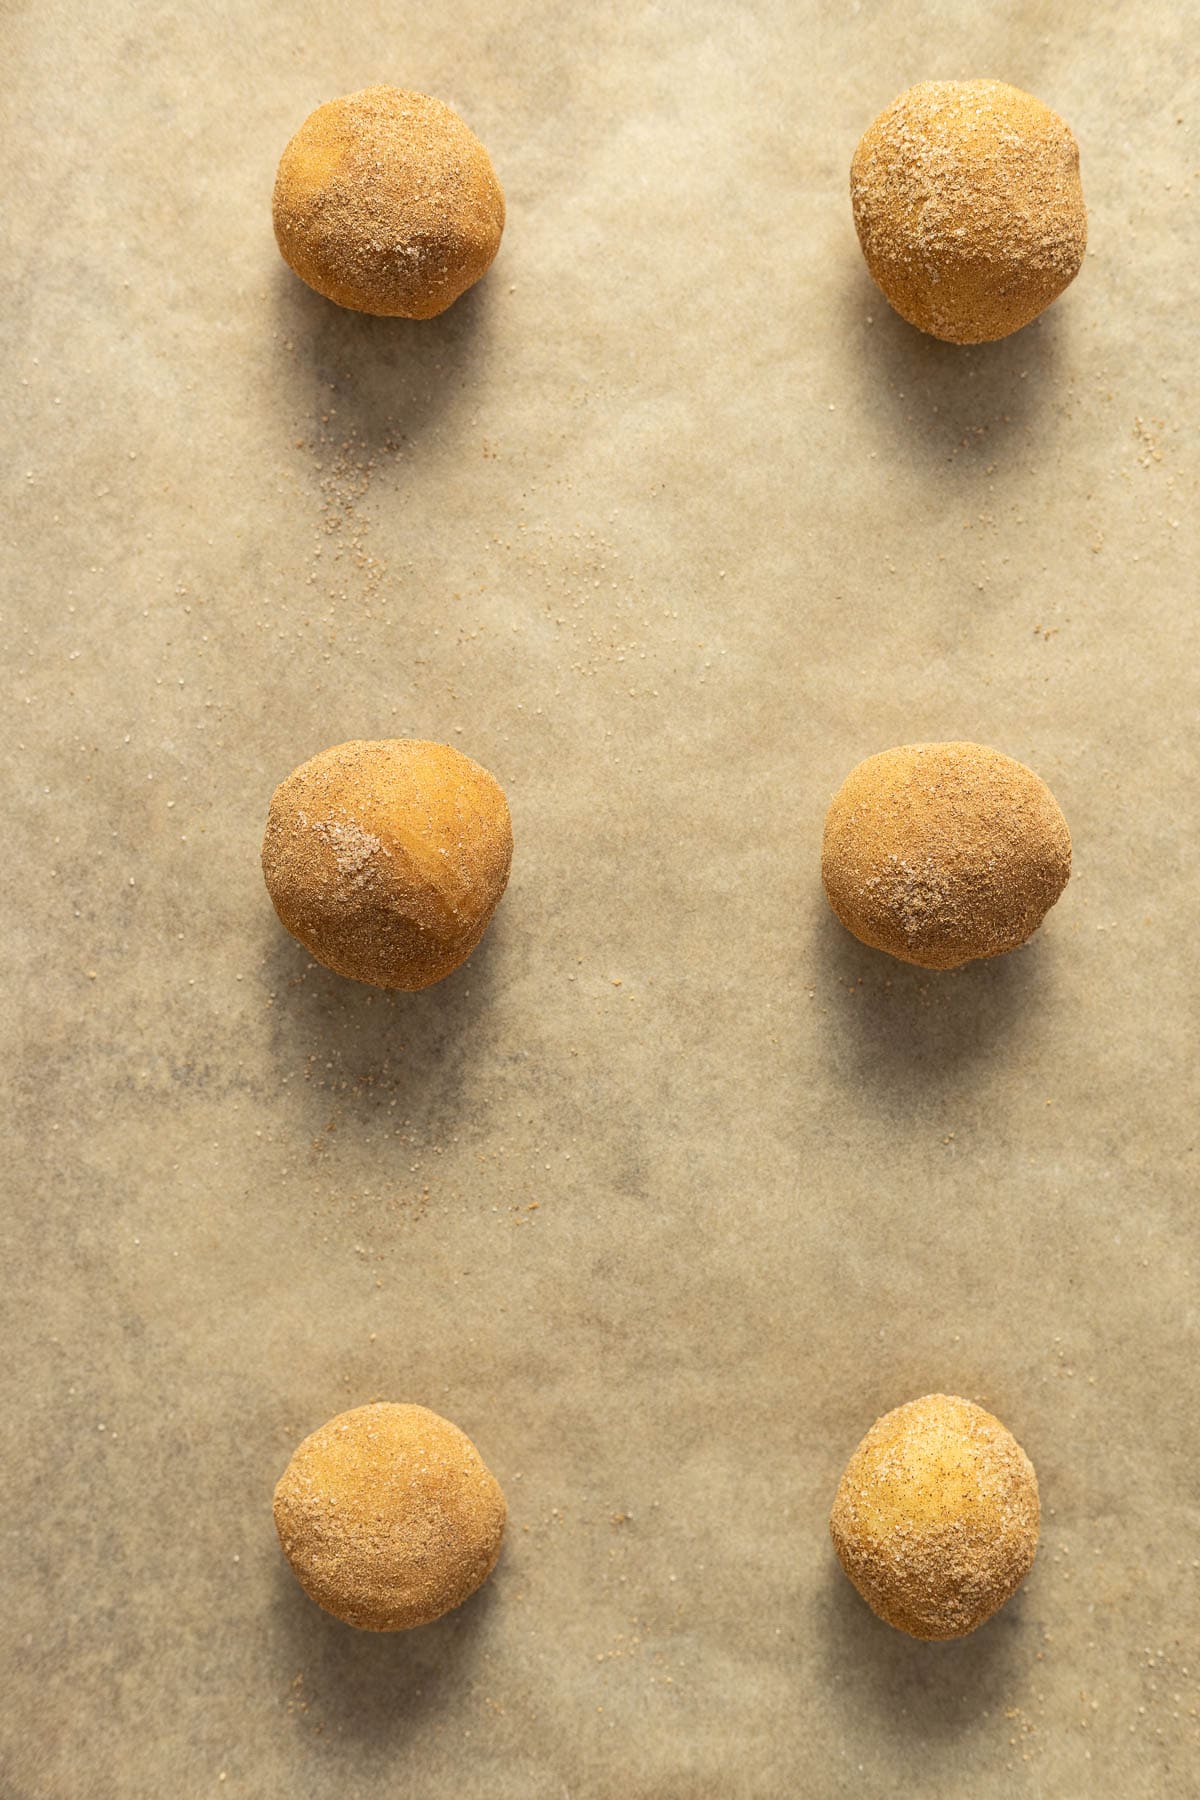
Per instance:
x=674, y=1187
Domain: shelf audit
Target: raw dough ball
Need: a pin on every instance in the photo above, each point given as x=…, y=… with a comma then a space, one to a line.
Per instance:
x=936, y=1517
x=387, y=859
x=389, y=1517
x=941, y=853
x=969, y=209
x=387, y=203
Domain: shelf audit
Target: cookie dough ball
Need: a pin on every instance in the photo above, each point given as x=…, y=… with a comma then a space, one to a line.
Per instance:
x=941, y=853
x=387, y=203
x=389, y=1517
x=387, y=859
x=936, y=1517
x=968, y=206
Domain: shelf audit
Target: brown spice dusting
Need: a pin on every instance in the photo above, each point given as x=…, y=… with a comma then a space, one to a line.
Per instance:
x=936, y=1517
x=387, y=203
x=969, y=208
x=389, y=1516
x=387, y=859
x=944, y=853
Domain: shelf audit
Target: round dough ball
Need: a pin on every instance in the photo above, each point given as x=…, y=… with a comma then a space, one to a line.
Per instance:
x=942, y=853
x=969, y=208
x=389, y=1517
x=387, y=859
x=387, y=203
x=936, y=1517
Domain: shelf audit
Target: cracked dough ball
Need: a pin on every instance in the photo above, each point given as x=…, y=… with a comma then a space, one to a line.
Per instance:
x=969, y=208
x=389, y=1517
x=942, y=853
x=936, y=1517
x=387, y=859
x=387, y=203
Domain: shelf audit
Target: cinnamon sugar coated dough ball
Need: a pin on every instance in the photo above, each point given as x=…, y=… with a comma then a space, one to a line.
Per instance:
x=387, y=203
x=389, y=1517
x=969, y=207
x=936, y=1517
x=387, y=859
x=942, y=853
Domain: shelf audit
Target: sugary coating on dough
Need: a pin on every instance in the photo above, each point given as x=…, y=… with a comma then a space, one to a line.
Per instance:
x=943, y=853
x=969, y=208
x=387, y=858
x=389, y=1516
x=936, y=1517
x=387, y=203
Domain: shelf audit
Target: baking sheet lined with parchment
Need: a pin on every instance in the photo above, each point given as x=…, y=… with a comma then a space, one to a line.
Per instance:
x=674, y=1187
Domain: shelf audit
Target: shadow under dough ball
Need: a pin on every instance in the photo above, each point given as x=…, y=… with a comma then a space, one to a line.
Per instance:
x=943, y=853
x=969, y=208
x=389, y=1517
x=936, y=1517
x=387, y=203
x=387, y=859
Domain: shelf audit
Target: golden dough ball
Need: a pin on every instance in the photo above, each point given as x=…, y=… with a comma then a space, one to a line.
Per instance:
x=936, y=1517
x=942, y=853
x=386, y=859
x=387, y=203
x=969, y=207
x=389, y=1517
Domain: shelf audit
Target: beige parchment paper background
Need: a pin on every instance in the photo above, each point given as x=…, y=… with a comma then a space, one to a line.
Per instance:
x=674, y=1187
